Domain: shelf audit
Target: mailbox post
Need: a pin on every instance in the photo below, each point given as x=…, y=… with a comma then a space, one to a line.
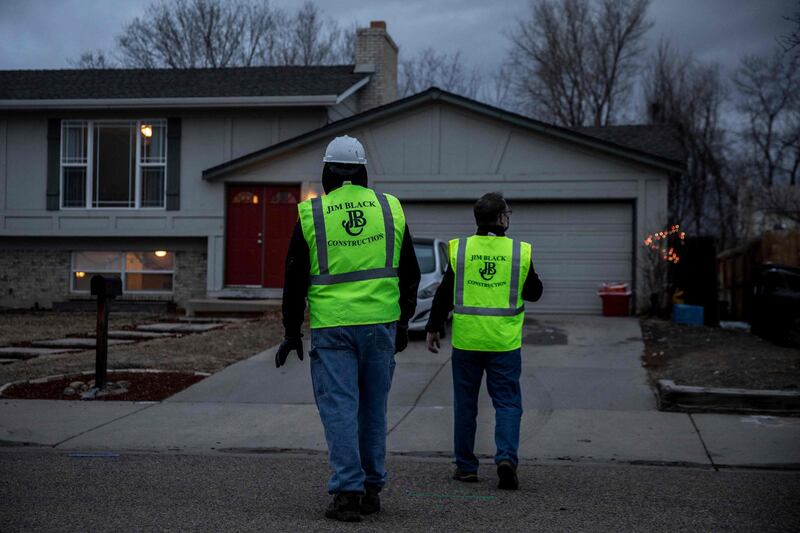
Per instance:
x=105, y=289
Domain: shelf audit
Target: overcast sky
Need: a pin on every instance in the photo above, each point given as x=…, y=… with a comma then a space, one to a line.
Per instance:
x=46, y=33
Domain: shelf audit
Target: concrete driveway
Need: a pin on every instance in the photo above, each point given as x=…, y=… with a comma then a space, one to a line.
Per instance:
x=585, y=398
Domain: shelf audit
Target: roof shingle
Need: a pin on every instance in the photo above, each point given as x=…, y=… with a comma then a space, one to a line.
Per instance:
x=176, y=83
x=658, y=139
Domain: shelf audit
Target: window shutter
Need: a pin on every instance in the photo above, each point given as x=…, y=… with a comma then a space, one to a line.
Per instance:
x=173, y=164
x=53, y=163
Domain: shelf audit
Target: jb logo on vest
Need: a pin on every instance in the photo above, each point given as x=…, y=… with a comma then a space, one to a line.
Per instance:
x=488, y=271
x=354, y=225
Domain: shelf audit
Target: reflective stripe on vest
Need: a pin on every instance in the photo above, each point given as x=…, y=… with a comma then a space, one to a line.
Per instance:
x=513, y=296
x=323, y=278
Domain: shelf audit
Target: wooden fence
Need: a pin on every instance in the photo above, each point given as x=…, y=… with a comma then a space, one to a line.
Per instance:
x=738, y=268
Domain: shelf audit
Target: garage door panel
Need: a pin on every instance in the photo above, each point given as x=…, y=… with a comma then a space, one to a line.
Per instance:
x=597, y=242
x=558, y=298
x=576, y=246
x=587, y=271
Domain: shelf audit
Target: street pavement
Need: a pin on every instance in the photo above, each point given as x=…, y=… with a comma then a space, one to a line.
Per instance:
x=592, y=442
x=55, y=491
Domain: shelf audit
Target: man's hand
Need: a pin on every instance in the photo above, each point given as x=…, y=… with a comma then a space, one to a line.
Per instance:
x=287, y=345
x=432, y=341
x=401, y=339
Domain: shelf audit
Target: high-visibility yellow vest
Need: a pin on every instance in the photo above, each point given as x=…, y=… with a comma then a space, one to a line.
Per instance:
x=354, y=237
x=489, y=275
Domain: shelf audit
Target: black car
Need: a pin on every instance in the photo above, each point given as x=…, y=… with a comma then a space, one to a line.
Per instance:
x=776, y=304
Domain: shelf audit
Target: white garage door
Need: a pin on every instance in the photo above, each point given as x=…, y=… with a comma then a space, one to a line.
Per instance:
x=576, y=246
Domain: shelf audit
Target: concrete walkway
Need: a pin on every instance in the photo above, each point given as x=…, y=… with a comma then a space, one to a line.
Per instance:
x=584, y=392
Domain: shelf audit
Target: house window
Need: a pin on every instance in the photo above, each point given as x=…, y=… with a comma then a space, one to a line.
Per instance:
x=113, y=164
x=140, y=272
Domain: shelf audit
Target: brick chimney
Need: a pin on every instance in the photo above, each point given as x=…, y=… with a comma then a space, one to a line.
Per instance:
x=376, y=55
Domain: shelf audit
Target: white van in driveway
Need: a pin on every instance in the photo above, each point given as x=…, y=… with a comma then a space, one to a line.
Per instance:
x=432, y=258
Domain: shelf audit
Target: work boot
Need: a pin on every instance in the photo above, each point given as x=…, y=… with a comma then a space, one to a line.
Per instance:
x=467, y=477
x=507, y=472
x=345, y=507
x=370, y=501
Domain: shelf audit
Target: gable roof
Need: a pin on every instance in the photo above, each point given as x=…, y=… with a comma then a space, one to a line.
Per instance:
x=313, y=85
x=636, y=153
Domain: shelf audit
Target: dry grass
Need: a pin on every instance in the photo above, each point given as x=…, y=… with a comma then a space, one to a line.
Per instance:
x=25, y=326
x=716, y=357
x=203, y=352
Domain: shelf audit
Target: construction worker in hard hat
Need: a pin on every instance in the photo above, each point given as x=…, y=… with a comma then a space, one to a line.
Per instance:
x=488, y=277
x=352, y=257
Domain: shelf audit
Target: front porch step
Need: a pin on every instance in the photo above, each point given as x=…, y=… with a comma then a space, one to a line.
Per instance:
x=229, y=306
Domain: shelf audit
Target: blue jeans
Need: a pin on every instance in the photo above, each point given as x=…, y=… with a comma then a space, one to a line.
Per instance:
x=502, y=381
x=352, y=369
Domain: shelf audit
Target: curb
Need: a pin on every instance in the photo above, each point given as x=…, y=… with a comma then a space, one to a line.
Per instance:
x=688, y=399
x=92, y=372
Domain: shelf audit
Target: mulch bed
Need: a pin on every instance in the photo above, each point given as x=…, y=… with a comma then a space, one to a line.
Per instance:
x=144, y=386
x=715, y=357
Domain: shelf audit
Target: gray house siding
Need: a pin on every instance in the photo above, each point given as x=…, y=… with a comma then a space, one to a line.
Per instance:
x=442, y=153
x=208, y=138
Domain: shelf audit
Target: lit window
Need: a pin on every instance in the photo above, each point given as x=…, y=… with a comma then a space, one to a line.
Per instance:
x=245, y=197
x=107, y=163
x=140, y=272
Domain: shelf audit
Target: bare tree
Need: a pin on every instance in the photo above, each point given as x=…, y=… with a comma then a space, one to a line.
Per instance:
x=446, y=71
x=499, y=90
x=574, y=61
x=220, y=33
x=791, y=40
x=688, y=95
x=93, y=60
x=308, y=39
x=769, y=97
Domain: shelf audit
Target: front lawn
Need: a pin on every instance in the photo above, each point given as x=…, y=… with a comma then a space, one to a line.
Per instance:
x=716, y=357
x=195, y=352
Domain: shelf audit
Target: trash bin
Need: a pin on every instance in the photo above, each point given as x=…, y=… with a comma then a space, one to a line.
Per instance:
x=616, y=299
x=691, y=315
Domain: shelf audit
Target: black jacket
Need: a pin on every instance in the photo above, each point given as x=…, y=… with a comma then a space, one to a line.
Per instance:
x=298, y=272
x=443, y=300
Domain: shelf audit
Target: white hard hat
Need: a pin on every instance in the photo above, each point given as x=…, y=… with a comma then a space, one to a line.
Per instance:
x=345, y=149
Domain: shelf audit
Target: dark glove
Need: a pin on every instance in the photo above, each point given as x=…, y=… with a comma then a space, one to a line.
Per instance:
x=401, y=339
x=287, y=345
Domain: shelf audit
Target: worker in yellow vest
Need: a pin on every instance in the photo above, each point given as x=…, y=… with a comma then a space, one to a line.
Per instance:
x=352, y=257
x=488, y=278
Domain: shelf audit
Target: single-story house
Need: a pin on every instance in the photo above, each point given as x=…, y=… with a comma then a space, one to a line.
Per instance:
x=185, y=182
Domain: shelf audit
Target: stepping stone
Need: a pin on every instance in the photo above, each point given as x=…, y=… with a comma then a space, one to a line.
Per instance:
x=137, y=335
x=209, y=319
x=172, y=327
x=76, y=343
x=30, y=353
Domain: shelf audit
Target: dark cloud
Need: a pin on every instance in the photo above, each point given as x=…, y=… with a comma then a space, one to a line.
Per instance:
x=722, y=31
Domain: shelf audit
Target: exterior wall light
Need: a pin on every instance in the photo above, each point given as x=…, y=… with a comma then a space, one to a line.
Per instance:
x=160, y=253
x=147, y=130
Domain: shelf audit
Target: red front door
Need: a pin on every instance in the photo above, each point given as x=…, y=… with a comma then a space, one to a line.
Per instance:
x=280, y=217
x=260, y=220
